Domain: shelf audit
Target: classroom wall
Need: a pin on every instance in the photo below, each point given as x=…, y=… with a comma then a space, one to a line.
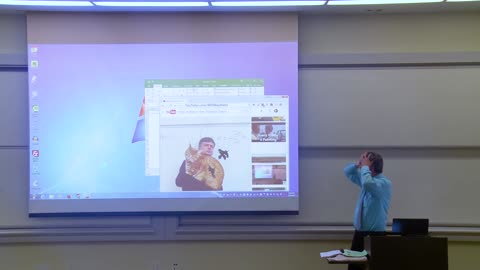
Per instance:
x=325, y=41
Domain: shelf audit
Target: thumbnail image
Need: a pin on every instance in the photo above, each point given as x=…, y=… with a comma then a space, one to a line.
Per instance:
x=269, y=174
x=269, y=132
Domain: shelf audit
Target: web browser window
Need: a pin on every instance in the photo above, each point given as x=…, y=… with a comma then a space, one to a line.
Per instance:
x=249, y=159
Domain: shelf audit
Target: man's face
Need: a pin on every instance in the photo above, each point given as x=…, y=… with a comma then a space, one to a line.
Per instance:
x=268, y=129
x=206, y=148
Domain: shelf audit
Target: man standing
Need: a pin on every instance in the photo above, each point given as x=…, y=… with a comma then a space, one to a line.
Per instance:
x=373, y=203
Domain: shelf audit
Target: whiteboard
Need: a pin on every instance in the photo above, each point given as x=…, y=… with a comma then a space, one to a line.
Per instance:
x=392, y=107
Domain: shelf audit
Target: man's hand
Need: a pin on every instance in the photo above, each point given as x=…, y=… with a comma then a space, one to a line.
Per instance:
x=365, y=160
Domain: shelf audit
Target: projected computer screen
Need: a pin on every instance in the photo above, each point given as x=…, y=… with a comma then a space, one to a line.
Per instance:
x=163, y=127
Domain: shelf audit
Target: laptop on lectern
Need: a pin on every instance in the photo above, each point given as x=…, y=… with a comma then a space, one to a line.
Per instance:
x=410, y=226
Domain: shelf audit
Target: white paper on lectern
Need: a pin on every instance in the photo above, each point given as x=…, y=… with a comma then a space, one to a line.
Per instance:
x=330, y=253
x=343, y=258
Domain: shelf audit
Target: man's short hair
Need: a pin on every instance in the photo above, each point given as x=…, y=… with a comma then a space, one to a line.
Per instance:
x=377, y=161
x=206, y=139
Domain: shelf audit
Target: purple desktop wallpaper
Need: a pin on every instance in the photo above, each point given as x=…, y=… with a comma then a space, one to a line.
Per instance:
x=85, y=102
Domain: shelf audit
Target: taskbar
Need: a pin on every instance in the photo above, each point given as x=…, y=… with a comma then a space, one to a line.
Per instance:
x=164, y=195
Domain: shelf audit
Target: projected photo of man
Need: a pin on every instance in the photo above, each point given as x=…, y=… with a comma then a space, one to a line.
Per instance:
x=269, y=135
x=255, y=131
x=200, y=171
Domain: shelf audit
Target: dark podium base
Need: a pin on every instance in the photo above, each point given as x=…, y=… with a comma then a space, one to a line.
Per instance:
x=407, y=252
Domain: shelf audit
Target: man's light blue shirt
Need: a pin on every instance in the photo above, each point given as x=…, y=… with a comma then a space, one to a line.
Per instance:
x=374, y=200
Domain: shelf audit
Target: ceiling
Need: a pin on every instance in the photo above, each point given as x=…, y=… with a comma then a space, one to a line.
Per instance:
x=441, y=7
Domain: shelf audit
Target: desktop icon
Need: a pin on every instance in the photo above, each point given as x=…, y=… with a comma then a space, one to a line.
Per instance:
x=35, y=108
x=35, y=153
x=34, y=125
x=34, y=64
x=34, y=49
x=35, y=139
